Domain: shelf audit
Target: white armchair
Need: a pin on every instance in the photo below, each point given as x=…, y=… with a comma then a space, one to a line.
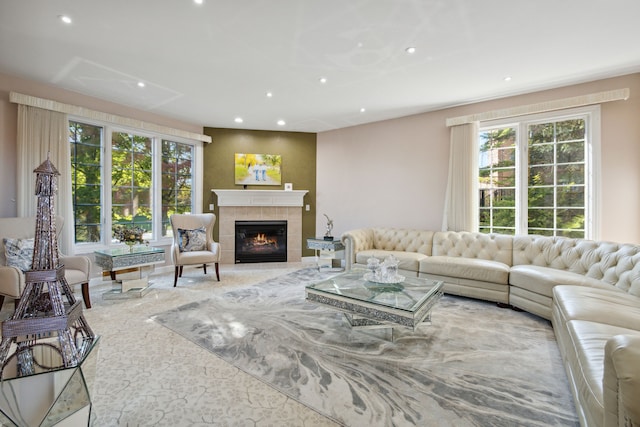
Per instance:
x=193, y=242
x=76, y=268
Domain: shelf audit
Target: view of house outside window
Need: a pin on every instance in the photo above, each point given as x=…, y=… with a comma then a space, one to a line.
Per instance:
x=86, y=178
x=533, y=178
x=176, y=181
x=497, y=181
x=131, y=179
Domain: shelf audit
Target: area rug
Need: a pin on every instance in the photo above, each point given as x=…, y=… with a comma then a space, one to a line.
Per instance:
x=475, y=365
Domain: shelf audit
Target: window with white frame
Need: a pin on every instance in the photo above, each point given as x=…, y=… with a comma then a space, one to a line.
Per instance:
x=141, y=179
x=536, y=174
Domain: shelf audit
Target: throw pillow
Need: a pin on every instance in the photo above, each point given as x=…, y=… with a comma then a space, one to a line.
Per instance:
x=192, y=240
x=19, y=253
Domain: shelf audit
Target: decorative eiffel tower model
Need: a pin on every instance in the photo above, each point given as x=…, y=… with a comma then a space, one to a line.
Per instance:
x=45, y=333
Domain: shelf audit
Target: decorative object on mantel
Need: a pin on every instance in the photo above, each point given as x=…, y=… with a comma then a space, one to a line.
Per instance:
x=47, y=333
x=129, y=235
x=327, y=235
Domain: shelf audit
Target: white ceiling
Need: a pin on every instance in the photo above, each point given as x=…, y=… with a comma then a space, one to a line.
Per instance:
x=207, y=64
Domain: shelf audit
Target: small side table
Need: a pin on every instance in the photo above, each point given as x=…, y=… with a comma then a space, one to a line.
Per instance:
x=139, y=257
x=329, y=253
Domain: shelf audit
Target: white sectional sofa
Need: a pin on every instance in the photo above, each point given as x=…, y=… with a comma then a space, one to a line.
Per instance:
x=589, y=290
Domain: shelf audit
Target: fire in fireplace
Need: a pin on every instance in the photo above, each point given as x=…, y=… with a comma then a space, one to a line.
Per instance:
x=261, y=241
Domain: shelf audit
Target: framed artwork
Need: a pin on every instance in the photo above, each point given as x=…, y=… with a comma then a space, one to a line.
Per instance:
x=258, y=169
x=288, y=186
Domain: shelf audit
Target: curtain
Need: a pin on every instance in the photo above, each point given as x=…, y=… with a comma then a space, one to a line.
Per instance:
x=461, y=198
x=41, y=134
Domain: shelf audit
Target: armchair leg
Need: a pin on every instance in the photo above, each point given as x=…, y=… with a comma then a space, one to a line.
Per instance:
x=217, y=272
x=175, y=278
x=1, y=300
x=181, y=268
x=204, y=266
x=85, y=295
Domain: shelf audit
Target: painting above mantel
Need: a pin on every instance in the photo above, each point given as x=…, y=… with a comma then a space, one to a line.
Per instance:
x=260, y=197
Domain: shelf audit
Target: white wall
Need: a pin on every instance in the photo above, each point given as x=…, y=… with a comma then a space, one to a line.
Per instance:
x=387, y=173
x=393, y=173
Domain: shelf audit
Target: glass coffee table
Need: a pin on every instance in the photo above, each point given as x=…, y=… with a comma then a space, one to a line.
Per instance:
x=368, y=304
x=141, y=258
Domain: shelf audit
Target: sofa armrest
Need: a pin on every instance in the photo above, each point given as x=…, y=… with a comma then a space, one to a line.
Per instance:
x=11, y=282
x=77, y=262
x=355, y=241
x=622, y=381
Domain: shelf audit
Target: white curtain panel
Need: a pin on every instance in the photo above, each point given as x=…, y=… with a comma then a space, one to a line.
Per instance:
x=43, y=133
x=461, y=199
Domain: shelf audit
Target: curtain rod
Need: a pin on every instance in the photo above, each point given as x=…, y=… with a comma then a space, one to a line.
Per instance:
x=542, y=107
x=48, y=104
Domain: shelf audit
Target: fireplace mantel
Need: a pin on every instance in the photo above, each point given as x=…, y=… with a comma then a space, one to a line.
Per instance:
x=260, y=197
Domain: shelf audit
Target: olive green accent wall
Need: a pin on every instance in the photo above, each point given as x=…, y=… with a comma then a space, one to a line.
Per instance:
x=298, y=151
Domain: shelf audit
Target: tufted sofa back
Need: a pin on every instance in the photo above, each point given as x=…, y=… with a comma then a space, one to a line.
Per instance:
x=494, y=247
x=394, y=239
x=614, y=263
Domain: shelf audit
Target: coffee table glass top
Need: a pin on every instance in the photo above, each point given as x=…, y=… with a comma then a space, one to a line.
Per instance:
x=125, y=251
x=409, y=295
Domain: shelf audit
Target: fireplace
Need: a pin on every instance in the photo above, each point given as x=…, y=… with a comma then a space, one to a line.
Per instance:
x=261, y=241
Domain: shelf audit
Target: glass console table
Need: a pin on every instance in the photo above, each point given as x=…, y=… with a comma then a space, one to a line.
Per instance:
x=141, y=258
x=329, y=253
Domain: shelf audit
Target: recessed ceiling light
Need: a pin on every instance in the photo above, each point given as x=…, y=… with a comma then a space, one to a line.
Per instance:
x=410, y=50
x=238, y=120
x=507, y=79
x=323, y=80
x=362, y=110
x=281, y=123
x=269, y=94
x=141, y=84
x=198, y=1
x=64, y=18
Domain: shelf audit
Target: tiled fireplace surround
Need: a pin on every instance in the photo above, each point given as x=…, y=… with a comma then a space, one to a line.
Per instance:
x=259, y=205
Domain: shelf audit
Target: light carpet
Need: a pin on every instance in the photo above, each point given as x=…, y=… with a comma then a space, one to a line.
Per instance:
x=476, y=365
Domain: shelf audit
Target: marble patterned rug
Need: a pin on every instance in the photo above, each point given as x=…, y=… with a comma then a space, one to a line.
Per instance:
x=476, y=365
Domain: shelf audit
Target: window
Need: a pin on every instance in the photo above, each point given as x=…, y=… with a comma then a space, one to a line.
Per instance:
x=131, y=175
x=535, y=175
x=86, y=179
x=127, y=173
x=176, y=181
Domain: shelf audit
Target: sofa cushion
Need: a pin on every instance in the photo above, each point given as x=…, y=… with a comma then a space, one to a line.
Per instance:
x=406, y=260
x=466, y=268
x=542, y=280
x=611, y=307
